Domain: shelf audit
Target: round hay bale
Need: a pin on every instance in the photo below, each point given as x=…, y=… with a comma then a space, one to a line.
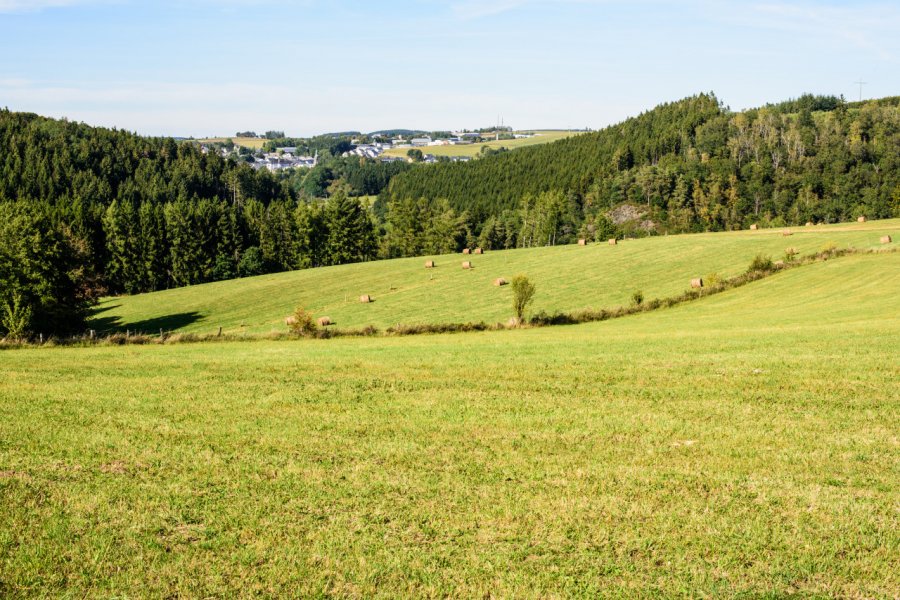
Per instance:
x=612, y=241
x=479, y=251
x=365, y=298
x=787, y=232
x=779, y=264
x=429, y=264
x=861, y=220
x=697, y=282
x=466, y=264
x=324, y=321
x=291, y=320
x=809, y=223
x=466, y=251
x=500, y=281
x=582, y=242
x=886, y=239
x=754, y=227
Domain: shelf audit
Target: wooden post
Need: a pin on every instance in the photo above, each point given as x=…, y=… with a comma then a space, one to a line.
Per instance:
x=220, y=331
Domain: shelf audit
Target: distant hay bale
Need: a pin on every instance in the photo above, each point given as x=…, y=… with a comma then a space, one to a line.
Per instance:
x=429, y=264
x=324, y=321
x=754, y=227
x=886, y=239
x=861, y=220
x=697, y=282
x=809, y=223
x=291, y=320
x=500, y=281
x=582, y=242
x=612, y=241
x=365, y=298
x=478, y=251
x=779, y=263
x=466, y=251
x=467, y=264
x=787, y=232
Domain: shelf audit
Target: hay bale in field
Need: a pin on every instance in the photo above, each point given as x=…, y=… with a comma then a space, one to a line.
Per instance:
x=466, y=251
x=324, y=321
x=886, y=239
x=291, y=320
x=861, y=220
x=365, y=298
x=612, y=241
x=809, y=223
x=582, y=242
x=429, y=264
x=478, y=251
x=779, y=264
x=467, y=264
x=787, y=232
x=754, y=227
x=697, y=282
x=500, y=281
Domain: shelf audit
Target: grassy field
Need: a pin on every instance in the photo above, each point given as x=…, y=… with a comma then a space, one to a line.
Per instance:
x=744, y=444
x=252, y=143
x=542, y=137
x=567, y=278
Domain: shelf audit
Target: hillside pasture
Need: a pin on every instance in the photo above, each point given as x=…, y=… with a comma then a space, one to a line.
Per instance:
x=741, y=445
x=252, y=143
x=567, y=278
x=540, y=137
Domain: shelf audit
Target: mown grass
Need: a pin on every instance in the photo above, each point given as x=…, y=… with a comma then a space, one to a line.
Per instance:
x=568, y=278
x=744, y=444
x=252, y=143
x=541, y=137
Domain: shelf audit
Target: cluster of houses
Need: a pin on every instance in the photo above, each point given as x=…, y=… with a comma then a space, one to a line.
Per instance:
x=287, y=158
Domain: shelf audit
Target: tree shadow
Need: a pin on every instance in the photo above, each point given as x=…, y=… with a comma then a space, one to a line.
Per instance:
x=171, y=322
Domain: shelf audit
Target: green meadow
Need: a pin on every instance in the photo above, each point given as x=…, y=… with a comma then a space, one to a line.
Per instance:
x=567, y=278
x=540, y=137
x=745, y=444
x=252, y=143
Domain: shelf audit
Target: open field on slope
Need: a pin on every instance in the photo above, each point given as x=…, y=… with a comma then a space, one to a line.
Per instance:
x=542, y=137
x=743, y=443
x=252, y=143
x=567, y=278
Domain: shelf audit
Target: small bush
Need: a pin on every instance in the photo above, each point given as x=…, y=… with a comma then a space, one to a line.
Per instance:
x=761, y=264
x=829, y=249
x=301, y=322
x=523, y=294
x=637, y=298
x=712, y=280
x=790, y=254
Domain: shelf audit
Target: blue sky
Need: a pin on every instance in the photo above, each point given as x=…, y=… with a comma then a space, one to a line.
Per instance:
x=204, y=67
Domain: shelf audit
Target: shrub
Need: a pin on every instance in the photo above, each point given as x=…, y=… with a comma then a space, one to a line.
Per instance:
x=637, y=298
x=712, y=280
x=301, y=322
x=761, y=264
x=16, y=316
x=523, y=294
x=828, y=249
x=790, y=254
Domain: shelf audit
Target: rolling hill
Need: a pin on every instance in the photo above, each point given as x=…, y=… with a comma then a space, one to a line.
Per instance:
x=744, y=445
x=567, y=278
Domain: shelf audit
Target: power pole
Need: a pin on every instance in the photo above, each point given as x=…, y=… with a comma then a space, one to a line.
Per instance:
x=860, y=83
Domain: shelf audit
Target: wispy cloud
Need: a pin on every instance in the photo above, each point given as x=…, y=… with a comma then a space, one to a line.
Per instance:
x=12, y=6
